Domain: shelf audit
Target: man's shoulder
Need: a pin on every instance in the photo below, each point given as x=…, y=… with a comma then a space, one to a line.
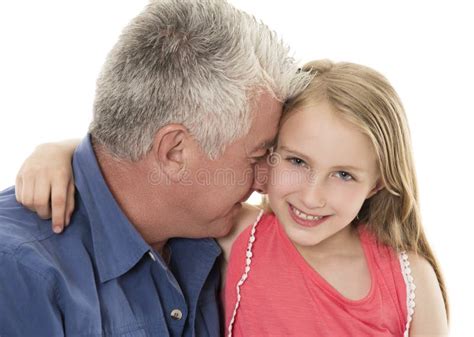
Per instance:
x=29, y=278
x=28, y=240
x=18, y=225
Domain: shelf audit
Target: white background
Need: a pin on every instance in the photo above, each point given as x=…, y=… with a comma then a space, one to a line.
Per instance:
x=52, y=51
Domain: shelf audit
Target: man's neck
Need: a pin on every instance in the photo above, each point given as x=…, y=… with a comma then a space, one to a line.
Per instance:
x=127, y=181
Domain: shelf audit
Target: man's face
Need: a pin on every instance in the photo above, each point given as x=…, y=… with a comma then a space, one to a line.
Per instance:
x=217, y=187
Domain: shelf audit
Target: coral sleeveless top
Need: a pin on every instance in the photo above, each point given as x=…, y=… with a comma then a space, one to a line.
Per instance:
x=272, y=291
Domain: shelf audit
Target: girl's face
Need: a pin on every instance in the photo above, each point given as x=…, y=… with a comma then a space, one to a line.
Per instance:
x=323, y=170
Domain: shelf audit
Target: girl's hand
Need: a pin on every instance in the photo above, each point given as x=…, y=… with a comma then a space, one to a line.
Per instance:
x=45, y=182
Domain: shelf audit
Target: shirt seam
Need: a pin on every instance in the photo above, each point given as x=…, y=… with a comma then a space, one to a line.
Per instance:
x=39, y=274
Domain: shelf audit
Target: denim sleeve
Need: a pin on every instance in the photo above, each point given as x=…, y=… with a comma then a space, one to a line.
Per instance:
x=28, y=302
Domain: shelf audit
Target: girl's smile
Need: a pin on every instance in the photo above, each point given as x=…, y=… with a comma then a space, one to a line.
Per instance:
x=304, y=219
x=327, y=169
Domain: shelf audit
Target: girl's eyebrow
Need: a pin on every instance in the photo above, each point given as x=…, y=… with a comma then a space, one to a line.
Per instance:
x=338, y=167
x=299, y=154
x=348, y=168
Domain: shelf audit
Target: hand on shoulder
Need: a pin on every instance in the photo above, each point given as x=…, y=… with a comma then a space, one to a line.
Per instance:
x=45, y=182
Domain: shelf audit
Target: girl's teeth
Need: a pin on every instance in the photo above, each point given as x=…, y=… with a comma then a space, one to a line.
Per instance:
x=304, y=216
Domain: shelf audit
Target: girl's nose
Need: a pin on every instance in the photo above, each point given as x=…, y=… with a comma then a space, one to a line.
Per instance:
x=313, y=195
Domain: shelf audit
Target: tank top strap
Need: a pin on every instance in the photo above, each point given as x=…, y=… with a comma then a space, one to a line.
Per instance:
x=410, y=288
x=245, y=274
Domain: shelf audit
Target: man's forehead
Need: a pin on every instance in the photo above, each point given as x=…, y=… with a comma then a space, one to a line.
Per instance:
x=259, y=138
x=267, y=104
x=265, y=122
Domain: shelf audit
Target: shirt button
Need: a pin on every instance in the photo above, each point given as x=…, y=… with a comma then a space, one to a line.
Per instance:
x=176, y=314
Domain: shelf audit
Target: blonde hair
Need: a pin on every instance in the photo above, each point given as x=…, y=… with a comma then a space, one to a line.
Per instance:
x=365, y=98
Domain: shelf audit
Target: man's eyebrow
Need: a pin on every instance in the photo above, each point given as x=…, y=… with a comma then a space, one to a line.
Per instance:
x=268, y=143
x=265, y=145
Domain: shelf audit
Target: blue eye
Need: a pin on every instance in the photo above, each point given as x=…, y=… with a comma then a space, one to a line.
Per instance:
x=344, y=175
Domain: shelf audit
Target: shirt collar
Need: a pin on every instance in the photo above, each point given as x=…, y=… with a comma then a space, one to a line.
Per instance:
x=117, y=244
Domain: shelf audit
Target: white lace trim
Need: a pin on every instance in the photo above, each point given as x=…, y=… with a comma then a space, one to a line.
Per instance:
x=404, y=263
x=245, y=275
x=410, y=286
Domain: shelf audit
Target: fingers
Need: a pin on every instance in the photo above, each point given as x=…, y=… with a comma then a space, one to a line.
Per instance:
x=18, y=187
x=58, y=204
x=45, y=184
x=62, y=204
x=33, y=194
x=41, y=197
x=27, y=196
x=70, y=201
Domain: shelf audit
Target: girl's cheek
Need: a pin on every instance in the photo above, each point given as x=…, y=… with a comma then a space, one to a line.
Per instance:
x=284, y=178
x=349, y=198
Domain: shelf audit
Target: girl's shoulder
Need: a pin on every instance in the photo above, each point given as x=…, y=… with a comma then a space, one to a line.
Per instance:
x=424, y=300
x=247, y=216
x=421, y=282
x=429, y=317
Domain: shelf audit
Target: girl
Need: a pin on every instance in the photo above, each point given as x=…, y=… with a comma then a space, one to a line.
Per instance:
x=341, y=247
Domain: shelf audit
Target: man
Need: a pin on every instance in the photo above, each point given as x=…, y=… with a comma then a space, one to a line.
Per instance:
x=192, y=89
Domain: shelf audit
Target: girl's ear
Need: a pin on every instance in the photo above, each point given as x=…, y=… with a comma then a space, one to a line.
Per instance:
x=378, y=186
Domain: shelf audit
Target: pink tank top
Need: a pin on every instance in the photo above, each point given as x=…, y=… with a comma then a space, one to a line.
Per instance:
x=272, y=291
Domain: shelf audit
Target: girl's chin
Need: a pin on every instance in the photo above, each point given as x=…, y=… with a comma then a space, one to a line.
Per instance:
x=301, y=236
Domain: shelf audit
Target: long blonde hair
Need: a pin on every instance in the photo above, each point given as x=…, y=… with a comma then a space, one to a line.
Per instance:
x=365, y=98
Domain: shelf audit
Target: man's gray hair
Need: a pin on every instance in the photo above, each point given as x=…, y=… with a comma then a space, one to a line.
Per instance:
x=199, y=63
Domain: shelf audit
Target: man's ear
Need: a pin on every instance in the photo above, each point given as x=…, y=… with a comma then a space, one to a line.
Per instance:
x=169, y=150
x=378, y=186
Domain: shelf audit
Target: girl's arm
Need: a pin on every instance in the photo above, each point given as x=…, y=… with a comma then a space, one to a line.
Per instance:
x=429, y=319
x=45, y=185
x=45, y=182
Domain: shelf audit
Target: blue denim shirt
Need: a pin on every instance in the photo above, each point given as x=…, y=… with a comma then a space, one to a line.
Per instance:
x=100, y=278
